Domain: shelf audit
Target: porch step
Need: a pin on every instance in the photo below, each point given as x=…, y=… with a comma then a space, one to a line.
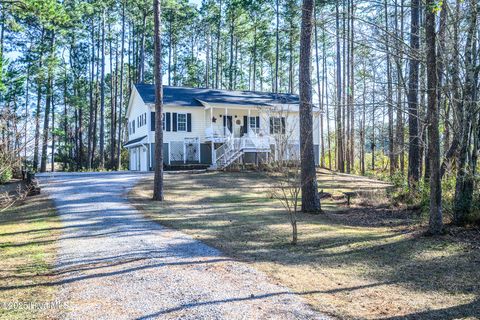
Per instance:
x=234, y=148
x=234, y=157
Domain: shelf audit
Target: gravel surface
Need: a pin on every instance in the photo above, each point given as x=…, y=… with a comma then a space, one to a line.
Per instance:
x=115, y=264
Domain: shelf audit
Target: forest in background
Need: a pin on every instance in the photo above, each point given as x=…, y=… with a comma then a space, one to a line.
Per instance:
x=67, y=69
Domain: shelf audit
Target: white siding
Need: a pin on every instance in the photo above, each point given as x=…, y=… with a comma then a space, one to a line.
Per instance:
x=137, y=108
x=198, y=124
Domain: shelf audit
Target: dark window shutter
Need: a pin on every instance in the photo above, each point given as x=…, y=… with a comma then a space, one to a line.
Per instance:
x=174, y=121
x=168, y=121
x=258, y=122
x=283, y=125
x=271, y=125
x=152, y=121
x=133, y=126
x=224, y=121
x=189, y=122
x=245, y=124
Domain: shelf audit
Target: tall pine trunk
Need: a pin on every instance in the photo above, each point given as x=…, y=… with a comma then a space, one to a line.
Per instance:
x=414, y=147
x=320, y=94
x=141, y=66
x=277, y=42
x=339, y=133
x=102, y=98
x=113, y=108
x=465, y=172
x=310, y=198
x=435, y=223
x=48, y=101
x=39, y=81
x=120, y=104
x=92, y=103
x=217, y=53
x=352, y=87
x=158, y=179
x=325, y=90
x=391, y=152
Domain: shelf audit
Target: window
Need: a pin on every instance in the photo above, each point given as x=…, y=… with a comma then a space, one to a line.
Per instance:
x=141, y=120
x=277, y=125
x=253, y=122
x=182, y=122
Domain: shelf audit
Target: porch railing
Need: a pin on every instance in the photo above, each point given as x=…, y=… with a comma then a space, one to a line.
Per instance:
x=217, y=133
x=233, y=148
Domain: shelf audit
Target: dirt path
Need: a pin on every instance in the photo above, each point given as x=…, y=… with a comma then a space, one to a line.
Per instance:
x=114, y=264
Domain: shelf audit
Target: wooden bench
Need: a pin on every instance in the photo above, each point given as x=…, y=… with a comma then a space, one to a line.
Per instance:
x=324, y=195
x=348, y=195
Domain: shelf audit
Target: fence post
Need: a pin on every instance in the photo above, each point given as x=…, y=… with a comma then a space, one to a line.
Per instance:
x=199, y=151
x=169, y=152
x=184, y=152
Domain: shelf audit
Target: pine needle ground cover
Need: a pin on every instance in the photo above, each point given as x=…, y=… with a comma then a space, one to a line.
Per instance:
x=28, y=234
x=364, y=261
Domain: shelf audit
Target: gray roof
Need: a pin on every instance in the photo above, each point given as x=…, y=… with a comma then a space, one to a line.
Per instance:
x=134, y=141
x=189, y=97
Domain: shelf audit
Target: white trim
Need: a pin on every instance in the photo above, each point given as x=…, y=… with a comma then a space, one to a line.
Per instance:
x=186, y=121
x=169, y=153
x=184, y=152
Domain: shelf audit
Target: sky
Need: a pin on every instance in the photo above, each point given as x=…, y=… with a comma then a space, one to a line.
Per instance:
x=197, y=2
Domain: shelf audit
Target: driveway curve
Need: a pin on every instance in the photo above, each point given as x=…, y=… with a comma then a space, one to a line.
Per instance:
x=115, y=264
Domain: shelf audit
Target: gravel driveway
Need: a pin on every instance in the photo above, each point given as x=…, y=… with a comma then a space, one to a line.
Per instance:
x=115, y=264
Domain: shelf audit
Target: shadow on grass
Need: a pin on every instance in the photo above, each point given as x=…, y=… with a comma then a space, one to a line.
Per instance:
x=250, y=226
x=467, y=310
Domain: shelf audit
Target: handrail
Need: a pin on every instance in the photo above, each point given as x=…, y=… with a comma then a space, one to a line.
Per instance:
x=234, y=147
x=223, y=150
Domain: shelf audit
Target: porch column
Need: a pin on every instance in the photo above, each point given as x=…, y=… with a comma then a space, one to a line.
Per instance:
x=169, y=153
x=184, y=152
x=213, y=152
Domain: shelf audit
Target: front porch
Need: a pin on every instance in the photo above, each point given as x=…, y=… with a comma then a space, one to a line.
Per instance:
x=234, y=132
x=222, y=123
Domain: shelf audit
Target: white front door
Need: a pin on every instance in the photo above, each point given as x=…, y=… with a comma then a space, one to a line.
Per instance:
x=133, y=158
x=237, y=129
x=143, y=159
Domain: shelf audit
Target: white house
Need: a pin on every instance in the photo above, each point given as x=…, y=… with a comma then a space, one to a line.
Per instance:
x=215, y=127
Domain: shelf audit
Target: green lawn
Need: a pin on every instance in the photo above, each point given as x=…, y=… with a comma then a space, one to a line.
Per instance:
x=28, y=232
x=350, y=262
